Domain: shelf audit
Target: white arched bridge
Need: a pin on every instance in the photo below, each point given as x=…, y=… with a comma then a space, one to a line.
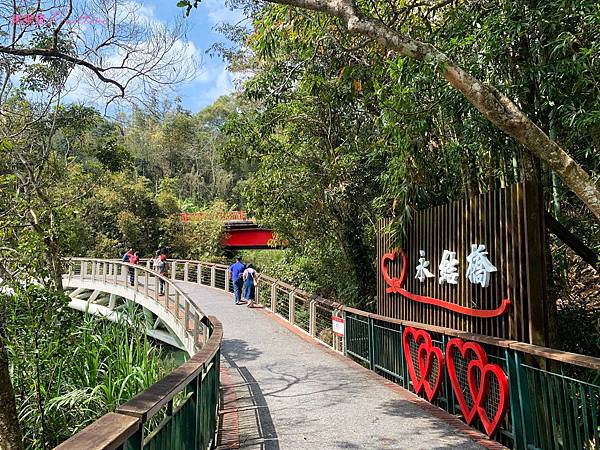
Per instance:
x=302, y=372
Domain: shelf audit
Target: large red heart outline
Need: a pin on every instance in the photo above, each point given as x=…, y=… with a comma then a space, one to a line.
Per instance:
x=426, y=354
x=474, y=379
x=479, y=396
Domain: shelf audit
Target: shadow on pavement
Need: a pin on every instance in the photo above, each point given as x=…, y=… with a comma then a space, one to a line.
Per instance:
x=238, y=351
x=256, y=426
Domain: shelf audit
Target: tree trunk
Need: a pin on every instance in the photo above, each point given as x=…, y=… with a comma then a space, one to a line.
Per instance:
x=495, y=106
x=55, y=265
x=10, y=431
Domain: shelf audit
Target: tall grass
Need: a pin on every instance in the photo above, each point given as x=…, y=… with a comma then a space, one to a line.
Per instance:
x=70, y=368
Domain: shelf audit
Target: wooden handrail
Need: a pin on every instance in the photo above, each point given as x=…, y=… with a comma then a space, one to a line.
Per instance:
x=147, y=403
x=557, y=355
x=109, y=432
x=589, y=362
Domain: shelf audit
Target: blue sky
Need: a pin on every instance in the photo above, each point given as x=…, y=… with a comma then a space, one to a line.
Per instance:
x=213, y=80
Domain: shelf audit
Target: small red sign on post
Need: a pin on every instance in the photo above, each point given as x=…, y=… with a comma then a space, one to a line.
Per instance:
x=338, y=326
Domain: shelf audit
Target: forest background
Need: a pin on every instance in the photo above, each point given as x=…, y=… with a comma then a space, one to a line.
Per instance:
x=328, y=132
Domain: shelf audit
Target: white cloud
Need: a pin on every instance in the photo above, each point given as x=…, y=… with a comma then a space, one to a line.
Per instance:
x=218, y=12
x=158, y=53
x=210, y=81
x=138, y=9
x=213, y=82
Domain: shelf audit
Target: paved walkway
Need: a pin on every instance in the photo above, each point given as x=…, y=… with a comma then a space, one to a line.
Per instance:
x=294, y=394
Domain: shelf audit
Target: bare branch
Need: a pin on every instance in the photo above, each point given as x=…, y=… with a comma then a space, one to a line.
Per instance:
x=53, y=53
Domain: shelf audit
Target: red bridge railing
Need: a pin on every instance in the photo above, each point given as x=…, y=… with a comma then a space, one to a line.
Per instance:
x=202, y=215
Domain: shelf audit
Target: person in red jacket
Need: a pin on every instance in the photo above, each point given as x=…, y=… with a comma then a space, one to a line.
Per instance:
x=133, y=259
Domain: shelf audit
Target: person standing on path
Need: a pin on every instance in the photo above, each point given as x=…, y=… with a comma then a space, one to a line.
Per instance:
x=134, y=259
x=163, y=269
x=236, y=270
x=156, y=261
x=249, y=277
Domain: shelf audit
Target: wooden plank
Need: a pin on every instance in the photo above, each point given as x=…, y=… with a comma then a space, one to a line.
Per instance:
x=535, y=264
x=557, y=355
x=107, y=433
x=572, y=241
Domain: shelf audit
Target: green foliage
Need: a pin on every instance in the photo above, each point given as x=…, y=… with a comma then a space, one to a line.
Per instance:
x=198, y=239
x=346, y=132
x=168, y=142
x=68, y=370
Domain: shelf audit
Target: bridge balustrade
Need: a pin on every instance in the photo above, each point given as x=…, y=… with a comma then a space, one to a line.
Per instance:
x=554, y=396
x=146, y=282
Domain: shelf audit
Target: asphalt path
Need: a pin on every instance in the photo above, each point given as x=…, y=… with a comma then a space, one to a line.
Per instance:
x=295, y=394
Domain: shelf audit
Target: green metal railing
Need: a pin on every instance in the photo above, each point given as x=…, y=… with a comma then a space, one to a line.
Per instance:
x=554, y=396
x=549, y=409
x=177, y=413
x=556, y=411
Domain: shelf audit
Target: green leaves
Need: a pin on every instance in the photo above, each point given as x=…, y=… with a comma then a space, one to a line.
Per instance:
x=5, y=145
x=69, y=368
x=188, y=5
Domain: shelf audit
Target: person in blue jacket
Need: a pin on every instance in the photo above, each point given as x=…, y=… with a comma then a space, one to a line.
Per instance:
x=236, y=270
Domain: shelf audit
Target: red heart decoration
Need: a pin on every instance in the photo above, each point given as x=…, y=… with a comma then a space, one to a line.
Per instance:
x=479, y=395
x=426, y=354
x=463, y=348
x=485, y=373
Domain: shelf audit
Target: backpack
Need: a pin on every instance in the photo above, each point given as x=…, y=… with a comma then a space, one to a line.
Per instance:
x=163, y=266
x=126, y=257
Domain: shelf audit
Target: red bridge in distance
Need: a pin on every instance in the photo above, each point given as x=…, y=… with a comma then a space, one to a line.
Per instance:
x=241, y=232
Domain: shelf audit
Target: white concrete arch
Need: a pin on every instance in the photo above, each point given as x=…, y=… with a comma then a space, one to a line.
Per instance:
x=97, y=286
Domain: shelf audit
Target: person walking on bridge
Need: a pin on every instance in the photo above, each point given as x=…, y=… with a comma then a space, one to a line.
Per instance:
x=249, y=277
x=163, y=269
x=236, y=270
x=156, y=261
x=133, y=259
x=128, y=255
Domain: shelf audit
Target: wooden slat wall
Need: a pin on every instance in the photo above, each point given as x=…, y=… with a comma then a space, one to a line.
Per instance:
x=497, y=220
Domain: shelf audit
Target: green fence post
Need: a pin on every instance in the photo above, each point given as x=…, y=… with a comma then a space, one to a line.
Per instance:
x=346, y=328
x=402, y=361
x=136, y=442
x=448, y=391
x=215, y=411
x=520, y=399
x=371, y=344
x=198, y=415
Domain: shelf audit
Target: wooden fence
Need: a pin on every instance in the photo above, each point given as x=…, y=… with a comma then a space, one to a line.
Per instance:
x=510, y=223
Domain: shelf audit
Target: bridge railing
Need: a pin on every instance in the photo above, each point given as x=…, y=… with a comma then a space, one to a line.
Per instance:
x=147, y=282
x=307, y=312
x=554, y=396
x=178, y=412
